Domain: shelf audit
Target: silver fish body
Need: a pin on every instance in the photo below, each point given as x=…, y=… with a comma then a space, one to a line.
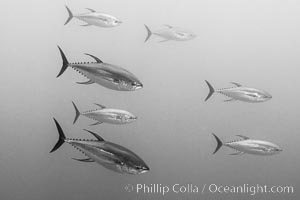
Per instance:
x=246, y=94
x=99, y=19
x=95, y=18
x=109, y=76
x=256, y=147
x=106, y=115
x=171, y=33
x=250, y=146
x=104, y=74
x=110, y=155
x=111, y=116
x=241, y=93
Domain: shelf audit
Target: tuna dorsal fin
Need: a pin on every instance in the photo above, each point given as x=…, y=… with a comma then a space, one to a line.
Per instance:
x=237, y=84
x=96, y=135
x=91, y=10
x=167, y=25
x=101, y=106
x=97, y=59
x=84, y=159
x=244, y=137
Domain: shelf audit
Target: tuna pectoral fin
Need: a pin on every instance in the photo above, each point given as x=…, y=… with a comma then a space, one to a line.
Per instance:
x=97, y=123
x=219, y=145
x=149, y=33
x=211, y=90
x=61, y=138
x=86, y=82
x=65, y=62
x=237, y=153
x=84, y=159
x=70, y=15
x=77, y=113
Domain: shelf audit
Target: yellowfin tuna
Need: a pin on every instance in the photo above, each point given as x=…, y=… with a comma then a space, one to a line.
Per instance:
x=95, y=18
x=109, y=155
x=250, y=146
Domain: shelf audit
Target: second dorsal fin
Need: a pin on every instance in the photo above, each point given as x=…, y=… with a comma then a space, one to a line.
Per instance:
x=244, y=137
x=167, y=25
x=237, y=84
x=97, y=59
x=95, y=135
x=101, y=106
x=91, y=10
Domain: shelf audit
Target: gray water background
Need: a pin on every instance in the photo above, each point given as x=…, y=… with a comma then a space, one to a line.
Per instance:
x=255, y=43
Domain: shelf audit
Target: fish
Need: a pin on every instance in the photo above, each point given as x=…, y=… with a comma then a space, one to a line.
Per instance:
x=104, y=74
x=249, y=146
x=238, y=92
x=170, y=33
x=106, y=115
x=94, y=18
x=107, y=154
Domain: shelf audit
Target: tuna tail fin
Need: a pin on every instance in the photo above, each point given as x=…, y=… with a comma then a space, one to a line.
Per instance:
x=61, y=138
x=77, y=114
x=70, y=15
x=149, y=33
x=219, y=145
x=65, y=62
x=211, y=90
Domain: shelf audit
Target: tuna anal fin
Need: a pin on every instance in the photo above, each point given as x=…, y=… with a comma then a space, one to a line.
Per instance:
x=91, y=10
x=244, y=137
x=86, y=25
x=97, y=123
x=164, y=41
x=97, y=59
x=228, y=100
x=237, y=84
x=86, y=82
x=237, y=153
x=101, y=106
x=95, y=135
x=84, y=159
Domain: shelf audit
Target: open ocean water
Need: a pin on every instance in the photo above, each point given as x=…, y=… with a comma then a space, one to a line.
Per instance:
x=255, y=43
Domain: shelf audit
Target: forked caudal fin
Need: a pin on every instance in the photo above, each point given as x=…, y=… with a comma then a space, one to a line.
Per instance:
x=219, y=145
x=65, y=62
x=77, y=113
x=70, y=15
x=61, y=138
x=211, y=90
x=149, y=33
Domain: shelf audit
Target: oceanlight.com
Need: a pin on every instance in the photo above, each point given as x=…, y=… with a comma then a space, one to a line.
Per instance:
x=162, y=189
